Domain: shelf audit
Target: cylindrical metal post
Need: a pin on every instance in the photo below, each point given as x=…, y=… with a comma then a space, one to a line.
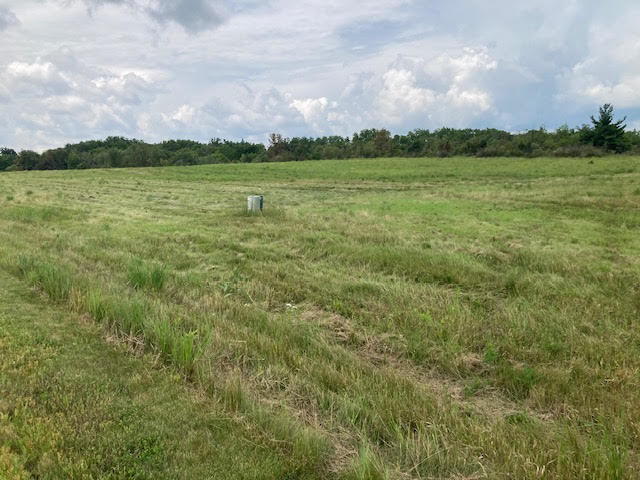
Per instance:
x=254, y=203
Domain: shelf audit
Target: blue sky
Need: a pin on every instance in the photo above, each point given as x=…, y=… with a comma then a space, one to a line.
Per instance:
x=73, y=70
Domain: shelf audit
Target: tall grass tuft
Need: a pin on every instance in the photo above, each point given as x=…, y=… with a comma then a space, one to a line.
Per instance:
x=368, y=467
x=161, y=333
x=145, y=275
x=128, y=315
x=96, y=305
x=185, y=350
x=306, y=448
x=53, y=280
x=157, y=277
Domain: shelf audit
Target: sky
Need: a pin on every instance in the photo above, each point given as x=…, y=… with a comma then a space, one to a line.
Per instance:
x=73, y=70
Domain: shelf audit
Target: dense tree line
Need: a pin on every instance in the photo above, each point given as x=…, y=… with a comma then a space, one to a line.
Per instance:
x=603, y=136
x=122, y=152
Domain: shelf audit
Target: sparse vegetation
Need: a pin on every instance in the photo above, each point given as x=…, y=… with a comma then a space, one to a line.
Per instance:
x=387, y=318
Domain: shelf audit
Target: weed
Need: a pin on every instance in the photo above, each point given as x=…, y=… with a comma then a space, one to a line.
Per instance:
x=231, y=285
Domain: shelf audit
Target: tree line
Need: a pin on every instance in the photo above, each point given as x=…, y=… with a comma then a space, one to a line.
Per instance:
x=604, y=135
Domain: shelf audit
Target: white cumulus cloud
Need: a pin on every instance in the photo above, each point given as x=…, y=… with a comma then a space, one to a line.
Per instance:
x=436, y=88
x=401, y=95
x=312, y=109
x=184, y=114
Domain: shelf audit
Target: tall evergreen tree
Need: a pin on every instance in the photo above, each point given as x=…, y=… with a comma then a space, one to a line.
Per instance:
x=606, y=133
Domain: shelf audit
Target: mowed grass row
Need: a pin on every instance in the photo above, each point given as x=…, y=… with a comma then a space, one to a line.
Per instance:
x=400, y=317
x=75, y=406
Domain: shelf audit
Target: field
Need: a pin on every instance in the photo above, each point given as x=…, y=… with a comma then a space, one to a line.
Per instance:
x=386, y=318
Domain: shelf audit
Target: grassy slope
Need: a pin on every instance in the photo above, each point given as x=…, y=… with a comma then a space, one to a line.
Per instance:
x=410, y=317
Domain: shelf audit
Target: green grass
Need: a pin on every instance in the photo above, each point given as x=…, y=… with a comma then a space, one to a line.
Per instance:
x=384, y=318
x=73, y=405
x=146, y=276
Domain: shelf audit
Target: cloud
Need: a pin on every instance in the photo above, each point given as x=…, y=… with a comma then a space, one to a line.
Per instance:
x=69, y=99
x=609, y=72
x=475, y=98
x=308, y=67
x=129, y=88
x=39, y=78
x=448, y=87
x=312, y=110
x=243, y=112
x=409, y=92
x=622, y=93
x=460, y=68
x=7, y=18
x=253, y=110
x=4, y=94
x=192, y=15
x=400, y=95
x=184, y=115
x=64, y=104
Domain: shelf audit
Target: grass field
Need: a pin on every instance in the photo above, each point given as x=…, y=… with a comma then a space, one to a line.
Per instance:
x=387, y=318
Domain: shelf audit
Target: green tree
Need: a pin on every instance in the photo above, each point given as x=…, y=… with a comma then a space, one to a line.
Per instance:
x=278, y=150
x=7, y=158
x=382, y=142
x=606, y=133
x=27, y=160
x=55, y=159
